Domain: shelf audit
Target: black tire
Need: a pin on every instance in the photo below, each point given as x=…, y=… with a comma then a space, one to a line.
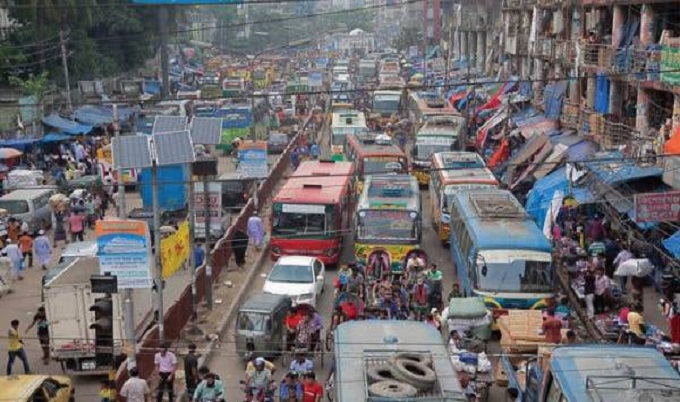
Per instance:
x=382, y=372
x=414, y=373
x=391, y=389
x=330, y=341
x=421, y=358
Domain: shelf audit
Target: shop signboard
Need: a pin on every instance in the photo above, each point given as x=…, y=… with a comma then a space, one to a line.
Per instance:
x=670, y=65
x=657, y=207
x=252, y=159
x=124, y=251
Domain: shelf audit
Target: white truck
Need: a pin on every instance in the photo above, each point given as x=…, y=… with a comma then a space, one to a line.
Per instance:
x=68, y=299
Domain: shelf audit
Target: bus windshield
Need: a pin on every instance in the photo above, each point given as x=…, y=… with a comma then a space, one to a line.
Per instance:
x=386, y=103
x=424, y=150
x=383, y=165
x=515, y=272
x=301, y=220
x=387, y=224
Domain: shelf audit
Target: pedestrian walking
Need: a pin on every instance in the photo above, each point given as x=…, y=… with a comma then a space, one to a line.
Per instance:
x=166, y=365
x=13, y=230
x=15, y=348
x=199, y=255
x=76, y=224
x=40, y=322
x=59, y=225
x=135, y=389
x=256, y=230
x=191, y=370
x=26, y=247
x=239, y=245
x=42, y=249
x=14, y=253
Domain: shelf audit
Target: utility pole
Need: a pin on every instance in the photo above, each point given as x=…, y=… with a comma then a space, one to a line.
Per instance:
x=127, y=294
x=64, y=61
x=192, y=244
x=157, y=250
x=208, y=257
x=163, y=27
x=463, y=143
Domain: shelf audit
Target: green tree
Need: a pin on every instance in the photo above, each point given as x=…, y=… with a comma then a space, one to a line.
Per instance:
x=36, y=86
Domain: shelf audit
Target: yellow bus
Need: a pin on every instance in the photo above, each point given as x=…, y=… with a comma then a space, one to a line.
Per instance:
x=371, y=156
x=450, y=173
x=438, y=134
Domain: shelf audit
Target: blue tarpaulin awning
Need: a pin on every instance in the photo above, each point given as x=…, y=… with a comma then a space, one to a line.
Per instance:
x=672, y=244
x=98, y=115
x=541, y=195
x=65, y=125
x=618, y=169
x=55, y=137
x=18, y=143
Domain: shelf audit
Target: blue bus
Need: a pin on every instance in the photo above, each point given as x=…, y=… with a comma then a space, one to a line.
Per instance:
x=584, y=373
x=500, y=253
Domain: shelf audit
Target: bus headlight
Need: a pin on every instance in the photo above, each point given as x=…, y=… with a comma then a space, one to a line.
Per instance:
x=330, y=252
x=446, y=218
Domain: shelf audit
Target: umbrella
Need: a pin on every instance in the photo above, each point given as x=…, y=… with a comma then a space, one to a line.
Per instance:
x=8, y=153
x=635, y=267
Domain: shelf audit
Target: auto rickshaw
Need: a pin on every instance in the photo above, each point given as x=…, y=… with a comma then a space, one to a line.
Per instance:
x=260, y=326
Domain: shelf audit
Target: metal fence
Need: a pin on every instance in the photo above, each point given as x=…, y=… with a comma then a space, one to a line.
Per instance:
x=179, y=314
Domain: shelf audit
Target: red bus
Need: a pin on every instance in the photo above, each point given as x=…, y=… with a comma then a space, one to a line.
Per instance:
x=312, y=212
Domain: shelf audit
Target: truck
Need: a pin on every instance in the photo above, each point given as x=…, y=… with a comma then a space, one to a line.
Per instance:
x=173, y=186
x=594, y=373
x=372, y=357
x=68, y=299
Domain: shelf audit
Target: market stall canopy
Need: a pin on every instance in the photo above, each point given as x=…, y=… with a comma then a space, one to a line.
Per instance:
x=617, y=169
x=672, y=244
x=21, y=144
x=54, y=137
x=8, y=153
x=101, y=115
x=66, y=126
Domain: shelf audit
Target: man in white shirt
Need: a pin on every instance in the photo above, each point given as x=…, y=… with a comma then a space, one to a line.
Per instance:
x=166, y=364
x=135, y=389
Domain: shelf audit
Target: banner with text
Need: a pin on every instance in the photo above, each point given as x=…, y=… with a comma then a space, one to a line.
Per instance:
x=214, y=208
x=252, y=159
x=124, y=250
x=657, y=207
x=670, y=65
x=175, y=251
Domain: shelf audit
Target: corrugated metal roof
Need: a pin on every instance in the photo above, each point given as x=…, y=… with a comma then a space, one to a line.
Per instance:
x=206, y=130
x=174, y=148
x=169, y=124
x=135, y=152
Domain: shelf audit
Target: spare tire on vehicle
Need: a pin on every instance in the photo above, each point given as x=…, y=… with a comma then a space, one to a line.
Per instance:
x=422, y=358
x=381, y=372
x=414, y=373
x=391, y=389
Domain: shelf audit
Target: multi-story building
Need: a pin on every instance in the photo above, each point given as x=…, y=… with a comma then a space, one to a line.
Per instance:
x=620, y=62
x=470, y=32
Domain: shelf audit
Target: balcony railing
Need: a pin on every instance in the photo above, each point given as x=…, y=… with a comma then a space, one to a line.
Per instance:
x=596, y=55
x=614, y=134
x=545, y=48
x=637, y=64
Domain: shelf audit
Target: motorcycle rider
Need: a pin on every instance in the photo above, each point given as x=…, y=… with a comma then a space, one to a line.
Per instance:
x=259, y=381
x=209, y=390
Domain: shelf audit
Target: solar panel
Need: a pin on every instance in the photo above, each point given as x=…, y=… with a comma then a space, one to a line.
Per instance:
x=169, y=124
x=173, y=148
x=206, y=130
x=131, y=151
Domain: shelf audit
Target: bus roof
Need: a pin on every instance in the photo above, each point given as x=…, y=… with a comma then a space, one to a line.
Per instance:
x=429, y=105
x=317, y=182
x=348, y=119
x=491, y=214
x=468, y=176
x=367, y=147
x=357, y=343
x=386, y=92
x=603, y=373
x=443, y=125
x=457, y=160
x=390, y=192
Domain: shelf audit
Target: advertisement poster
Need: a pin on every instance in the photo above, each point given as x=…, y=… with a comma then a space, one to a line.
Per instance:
x=657, y=207
x=252, y=159
x=670, y=65
x=175, y=251
x=214, y=208
x=124, y=250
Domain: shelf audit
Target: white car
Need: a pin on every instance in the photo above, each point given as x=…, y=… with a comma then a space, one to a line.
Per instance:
x=299, y=277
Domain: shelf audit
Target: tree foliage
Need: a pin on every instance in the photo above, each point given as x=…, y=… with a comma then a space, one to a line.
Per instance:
x=36, y=86
x=105, y=37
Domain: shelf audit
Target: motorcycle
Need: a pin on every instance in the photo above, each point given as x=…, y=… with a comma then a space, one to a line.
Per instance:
x=255, y=394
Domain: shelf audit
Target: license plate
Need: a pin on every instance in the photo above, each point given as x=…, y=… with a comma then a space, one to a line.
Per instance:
x=88, y=365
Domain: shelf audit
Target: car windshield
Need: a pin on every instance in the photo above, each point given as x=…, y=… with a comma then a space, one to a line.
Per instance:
x=14, y=207
x=252, y=321
x=292, y=274
x=386, y=105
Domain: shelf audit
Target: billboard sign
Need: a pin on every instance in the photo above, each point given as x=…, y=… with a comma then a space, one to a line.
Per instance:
x=657, y=207
x=252, y=159
x=670, y=65
x=124, y=250
x=214, y=208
